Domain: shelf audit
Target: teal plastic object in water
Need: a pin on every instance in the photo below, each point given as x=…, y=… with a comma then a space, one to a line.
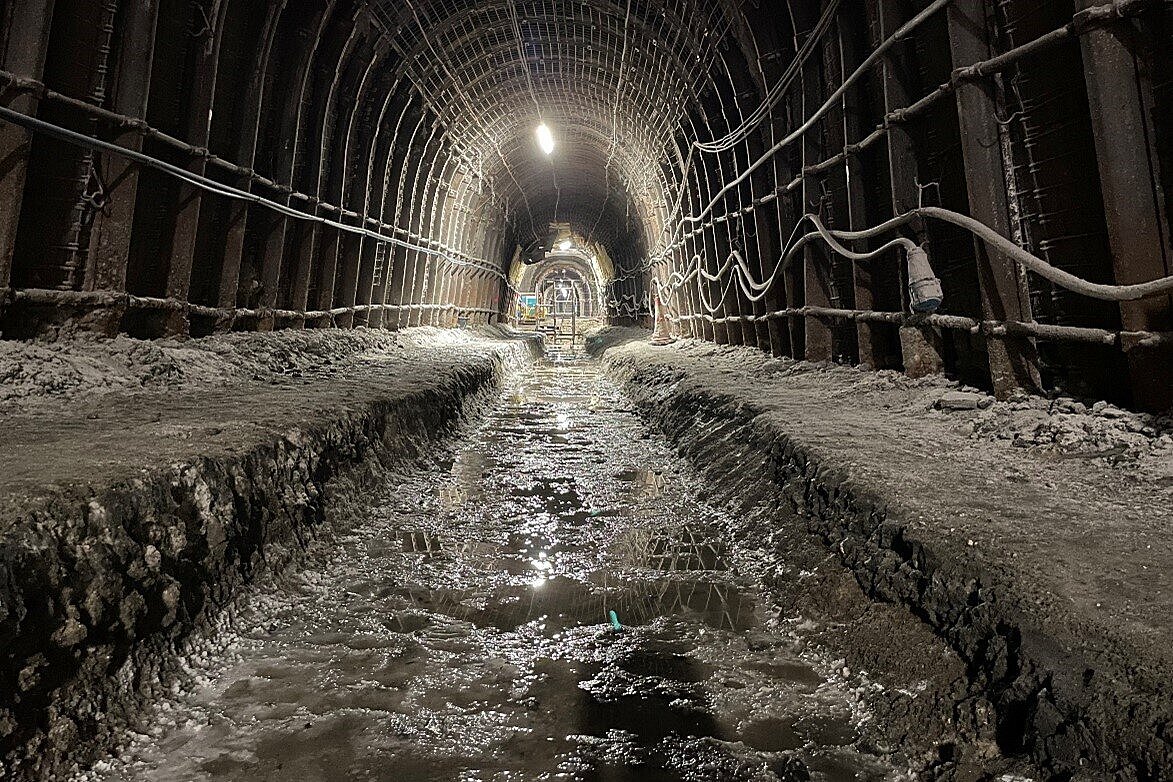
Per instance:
x=615, y=620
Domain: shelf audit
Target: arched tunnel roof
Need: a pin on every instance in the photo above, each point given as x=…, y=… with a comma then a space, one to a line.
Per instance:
x=614, y=79
x=187, y=166
x=411, y=119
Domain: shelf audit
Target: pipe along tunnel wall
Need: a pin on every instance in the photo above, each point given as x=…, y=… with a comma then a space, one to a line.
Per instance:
x=184, y=167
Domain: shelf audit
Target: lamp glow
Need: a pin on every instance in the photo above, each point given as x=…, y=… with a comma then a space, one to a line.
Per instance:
x=545, y=139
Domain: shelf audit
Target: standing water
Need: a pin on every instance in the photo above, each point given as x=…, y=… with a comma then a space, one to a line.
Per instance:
x=550, y=600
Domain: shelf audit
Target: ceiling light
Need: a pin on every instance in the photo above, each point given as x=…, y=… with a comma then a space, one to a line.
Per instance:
x=545, y=139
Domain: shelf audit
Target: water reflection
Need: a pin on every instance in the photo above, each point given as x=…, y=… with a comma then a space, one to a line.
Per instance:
x=567, y=602
x=646, y=484
x=463, y=631
x=685, y=548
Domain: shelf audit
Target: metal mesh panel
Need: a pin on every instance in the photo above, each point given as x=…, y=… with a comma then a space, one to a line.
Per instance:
x=611, y=79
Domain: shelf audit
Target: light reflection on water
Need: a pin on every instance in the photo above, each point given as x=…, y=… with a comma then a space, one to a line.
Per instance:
x=462, y=632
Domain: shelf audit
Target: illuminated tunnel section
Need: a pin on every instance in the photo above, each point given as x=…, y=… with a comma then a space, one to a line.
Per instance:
x=885, y=183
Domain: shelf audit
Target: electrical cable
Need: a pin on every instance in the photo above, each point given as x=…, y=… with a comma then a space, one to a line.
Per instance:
x=217, y=188
x=799, y=132
x=742, y=131
x=754, y=291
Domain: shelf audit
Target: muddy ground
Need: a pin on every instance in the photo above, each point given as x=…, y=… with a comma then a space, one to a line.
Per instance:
x=131, y=517
x=99, y=411
x=461, y=627
x=980, y=588
x=1032, y=535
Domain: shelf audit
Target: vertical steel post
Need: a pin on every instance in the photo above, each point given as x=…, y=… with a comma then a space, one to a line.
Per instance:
x=238, y=212
x=819, y=341
x=273, y=228
x=1004, y=294
x=28, y=24
x=874, y=281
x=1119, y=62
x=346, y=277
x=111, y=232
x=837, y=185
x=920, y=346
x=197, y=128
x=308, y=240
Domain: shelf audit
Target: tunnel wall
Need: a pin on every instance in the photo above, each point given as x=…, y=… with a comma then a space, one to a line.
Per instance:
x=338, y=174
x=383, y=173
x=106, y=589
x=1041, y=125
x=1078, y=700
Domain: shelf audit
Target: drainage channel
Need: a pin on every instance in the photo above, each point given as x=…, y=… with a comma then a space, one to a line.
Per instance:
x=548, y=600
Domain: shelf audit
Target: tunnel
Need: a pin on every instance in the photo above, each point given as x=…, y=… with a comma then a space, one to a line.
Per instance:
x=435, y=390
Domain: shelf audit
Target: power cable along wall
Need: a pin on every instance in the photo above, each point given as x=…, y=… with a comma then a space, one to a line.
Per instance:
x=1012, y=331
x=347, y=162
x=212, y=251
x=312, y=61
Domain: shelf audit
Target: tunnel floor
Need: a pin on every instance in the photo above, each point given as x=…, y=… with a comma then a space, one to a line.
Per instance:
x=463, y=629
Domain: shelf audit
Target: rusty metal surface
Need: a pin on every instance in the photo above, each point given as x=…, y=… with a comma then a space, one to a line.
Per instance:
x=415, y=121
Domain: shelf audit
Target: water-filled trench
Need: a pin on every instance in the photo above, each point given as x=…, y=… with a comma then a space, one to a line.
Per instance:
x=547, y=598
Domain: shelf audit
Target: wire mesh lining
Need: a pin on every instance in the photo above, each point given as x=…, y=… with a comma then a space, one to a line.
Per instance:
x=612, y=79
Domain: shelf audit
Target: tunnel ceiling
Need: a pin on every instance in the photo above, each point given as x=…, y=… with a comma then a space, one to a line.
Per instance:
x=182, y=167
x=614, y=81
x=389, y=147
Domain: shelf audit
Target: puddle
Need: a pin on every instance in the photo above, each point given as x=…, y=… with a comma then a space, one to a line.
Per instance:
x=646, y=484
x=560, y=602
x=780, y=734
x=466, y=630
x=772, y=735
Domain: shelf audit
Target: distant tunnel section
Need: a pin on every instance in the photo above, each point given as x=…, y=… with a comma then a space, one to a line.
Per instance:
x=975, y=188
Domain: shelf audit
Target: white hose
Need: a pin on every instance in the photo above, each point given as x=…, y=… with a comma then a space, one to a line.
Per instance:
x=1094, y=290
x=799, y=132
x=754, y=291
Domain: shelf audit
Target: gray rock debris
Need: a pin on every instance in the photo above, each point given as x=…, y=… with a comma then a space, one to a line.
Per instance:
x=1074, y=428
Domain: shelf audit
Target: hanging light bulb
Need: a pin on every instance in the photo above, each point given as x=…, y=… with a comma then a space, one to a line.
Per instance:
x=545, y=139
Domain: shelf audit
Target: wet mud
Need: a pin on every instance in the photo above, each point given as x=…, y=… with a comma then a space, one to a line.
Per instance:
x=548, y=598
x=1016, y=624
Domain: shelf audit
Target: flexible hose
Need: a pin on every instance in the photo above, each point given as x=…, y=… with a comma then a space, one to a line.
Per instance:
x=742, y=131
x=799, y=132
x=754, y=291
x=1094, y=290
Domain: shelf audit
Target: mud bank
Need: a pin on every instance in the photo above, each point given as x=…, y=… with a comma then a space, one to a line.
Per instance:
x=1047, y=577
x=112, y=562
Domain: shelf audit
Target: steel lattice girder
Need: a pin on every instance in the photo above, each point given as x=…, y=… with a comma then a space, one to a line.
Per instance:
x=614, y=80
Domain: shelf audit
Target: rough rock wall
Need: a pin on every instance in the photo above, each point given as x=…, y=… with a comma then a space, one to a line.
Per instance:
x=1075, y=718
x=103, y=590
